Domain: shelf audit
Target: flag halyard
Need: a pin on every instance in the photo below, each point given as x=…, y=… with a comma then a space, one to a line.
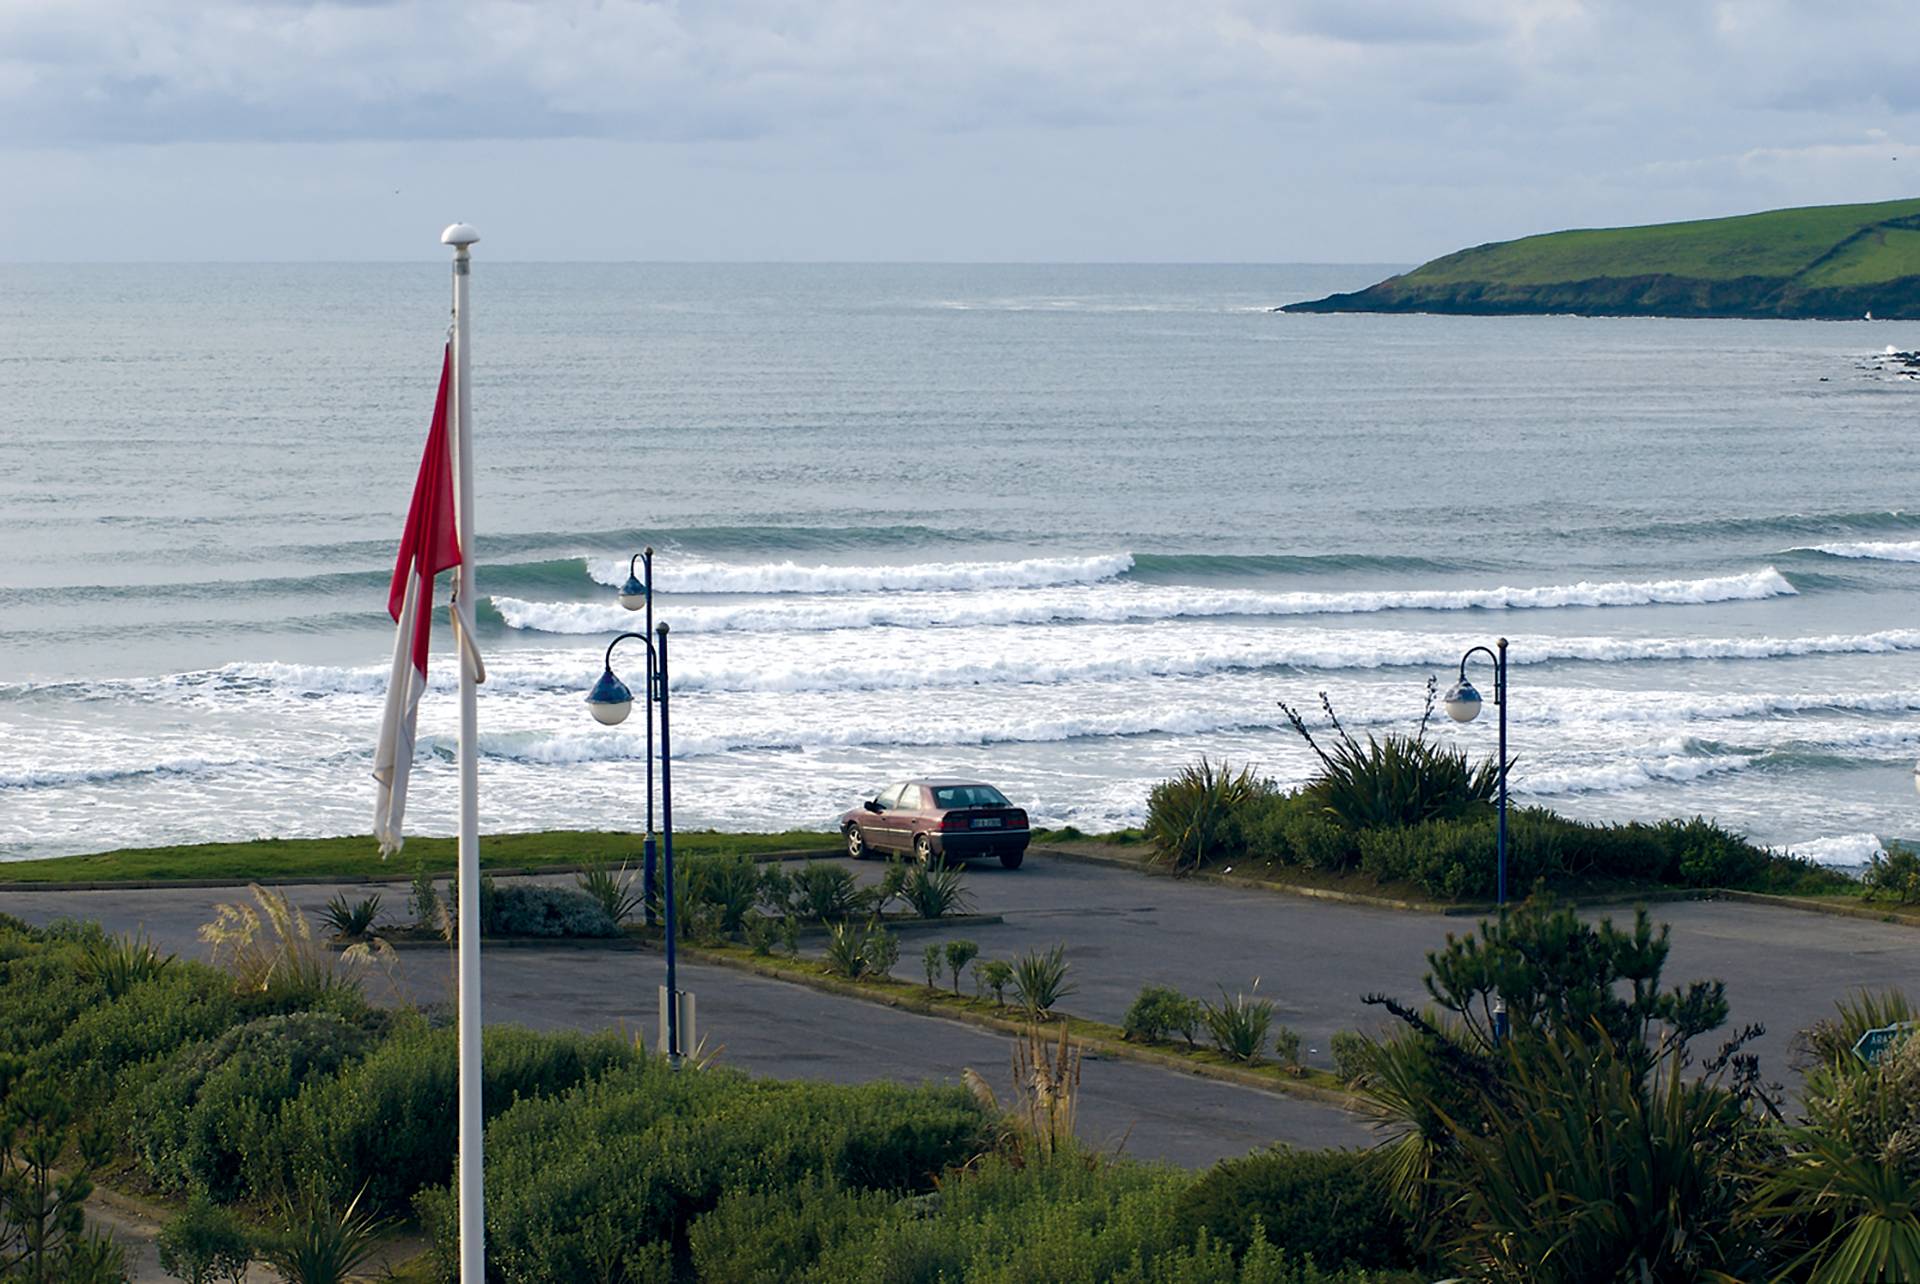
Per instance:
x=430, y=544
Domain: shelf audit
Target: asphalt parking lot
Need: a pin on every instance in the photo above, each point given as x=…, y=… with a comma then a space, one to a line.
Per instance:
x=1121, y=930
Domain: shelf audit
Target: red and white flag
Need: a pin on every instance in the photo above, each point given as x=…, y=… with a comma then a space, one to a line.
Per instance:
x=429, y=545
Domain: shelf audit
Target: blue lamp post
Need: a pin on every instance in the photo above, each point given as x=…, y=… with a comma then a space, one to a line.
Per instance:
x=1463, y=705
x=637, y=594
x=610, y=702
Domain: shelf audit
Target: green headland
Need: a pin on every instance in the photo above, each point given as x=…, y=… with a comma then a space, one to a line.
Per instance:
x=1830, y=262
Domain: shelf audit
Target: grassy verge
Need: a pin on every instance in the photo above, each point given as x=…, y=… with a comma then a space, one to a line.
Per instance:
x=356, y=857
x=1098, y=1037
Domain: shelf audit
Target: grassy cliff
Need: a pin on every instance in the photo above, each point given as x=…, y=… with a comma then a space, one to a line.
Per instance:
x=1831, y=261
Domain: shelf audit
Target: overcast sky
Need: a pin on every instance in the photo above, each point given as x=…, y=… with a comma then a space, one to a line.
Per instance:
x=1165, y=130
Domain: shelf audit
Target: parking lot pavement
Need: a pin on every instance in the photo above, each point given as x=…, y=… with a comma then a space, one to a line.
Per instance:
x=771, y=1027
x=1315, y=959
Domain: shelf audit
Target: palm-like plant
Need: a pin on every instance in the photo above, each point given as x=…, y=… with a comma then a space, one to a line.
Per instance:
x=1238, y=1024
x=613, y=890
x=936, y=891
x=351, y=920
x=325, y=1245
x=1040, y=980
x=1395, y=781
x=119, y=963
x=1195, y=817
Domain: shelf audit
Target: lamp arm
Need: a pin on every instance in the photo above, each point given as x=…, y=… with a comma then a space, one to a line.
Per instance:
x=1499, y=669
x=633, y=562
x=622, y=638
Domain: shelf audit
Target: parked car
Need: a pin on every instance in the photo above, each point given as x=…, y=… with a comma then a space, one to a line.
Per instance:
x=938, y=820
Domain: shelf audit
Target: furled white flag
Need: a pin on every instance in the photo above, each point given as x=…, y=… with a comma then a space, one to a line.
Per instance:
x=429, y=545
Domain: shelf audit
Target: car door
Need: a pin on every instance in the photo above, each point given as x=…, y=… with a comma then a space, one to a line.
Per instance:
x=882, y=827
x=908, y=815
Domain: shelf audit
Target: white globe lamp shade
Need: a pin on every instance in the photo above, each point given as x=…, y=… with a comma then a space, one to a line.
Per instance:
x=610, y=702
x=1462, y=702
x=633, y=594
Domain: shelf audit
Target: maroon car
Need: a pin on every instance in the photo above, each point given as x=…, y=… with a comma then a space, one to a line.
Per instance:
x=936, y=820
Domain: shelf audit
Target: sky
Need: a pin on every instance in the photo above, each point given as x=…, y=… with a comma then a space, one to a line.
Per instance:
x=1361, y=131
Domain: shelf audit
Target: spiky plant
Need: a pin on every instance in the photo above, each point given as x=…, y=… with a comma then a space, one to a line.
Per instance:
x=351, y=920
x=1238, y=1024
x=119, y=963
x=935, y=892
x=323, y=1244
x=613, y=890
x=1040, y=980
x=1194, y=818
x=1397, y=780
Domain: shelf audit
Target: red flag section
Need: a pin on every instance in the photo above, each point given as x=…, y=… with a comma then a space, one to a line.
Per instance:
x=430, y=544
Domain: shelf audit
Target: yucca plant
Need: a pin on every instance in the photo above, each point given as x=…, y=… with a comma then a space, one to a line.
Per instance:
x=1194, y=818
x=119, y=963
x=613, y=890
x=1396, y=781
x=824, y=891
x=1040, y=980
x=1238, y=1024
x=322, y=1244
x=351, y=920
x=935, y=892
x=1832, y=1040
x=855, y=949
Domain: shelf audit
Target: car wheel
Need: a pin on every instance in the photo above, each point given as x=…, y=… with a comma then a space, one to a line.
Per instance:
x=1011, y=860
x=923, y=851
x=856, y=843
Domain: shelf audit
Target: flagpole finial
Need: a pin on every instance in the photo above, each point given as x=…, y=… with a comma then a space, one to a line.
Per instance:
x=459, y=235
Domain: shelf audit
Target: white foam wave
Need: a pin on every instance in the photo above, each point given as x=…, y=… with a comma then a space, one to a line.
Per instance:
x=1628, y=774
x=1871, y=550
x=1841, y=851
x=34, y=778
x=1125, y=602
x=681, y=576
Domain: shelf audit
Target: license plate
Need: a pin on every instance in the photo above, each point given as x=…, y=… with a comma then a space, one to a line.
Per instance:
x=988, y=824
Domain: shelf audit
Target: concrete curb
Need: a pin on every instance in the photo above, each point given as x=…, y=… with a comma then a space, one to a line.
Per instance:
x=627, y=941
x=1099, y=1045
x=327, y=880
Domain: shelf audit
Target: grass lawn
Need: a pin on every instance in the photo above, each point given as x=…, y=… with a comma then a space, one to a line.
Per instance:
x=357, y=857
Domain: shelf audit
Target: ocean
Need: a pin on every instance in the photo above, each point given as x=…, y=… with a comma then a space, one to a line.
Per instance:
x=1065, y=528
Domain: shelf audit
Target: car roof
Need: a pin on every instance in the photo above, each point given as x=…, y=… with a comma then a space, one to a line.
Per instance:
x=944, y=782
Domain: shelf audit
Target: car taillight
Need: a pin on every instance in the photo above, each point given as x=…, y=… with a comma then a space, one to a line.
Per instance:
x=955, y=822
x=1019, y=819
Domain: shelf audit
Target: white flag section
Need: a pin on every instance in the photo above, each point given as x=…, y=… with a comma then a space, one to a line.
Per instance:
x=429, y=545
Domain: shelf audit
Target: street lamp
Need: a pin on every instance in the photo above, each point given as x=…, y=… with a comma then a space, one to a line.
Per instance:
x=610, y=701
x=637, y=594
x=1463, y=705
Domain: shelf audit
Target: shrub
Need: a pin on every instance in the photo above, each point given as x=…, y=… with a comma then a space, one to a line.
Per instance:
x=1159, y=1011
x=767, y=1237
x=212, y=1112
x=185, y=1003
x=1040, y=980
x=324, y=1244
x=825, y=891
x=935, y=892
x=1238, y=1025
x=1703, y=854
x=1325, y=1204
x=422, y=900
x=1449, y=859
x=205, y=1244
x=1287, y=1047
x=389, y=1120
x=1289, y=829
x=615, y=891
x=761, y=933
x=996, y=975
x=1894, y=876
x=931, y=958
x=959, y=954
x=892, y=884
x=1351, y=1055
x=351, y=920
x=538, y=909
x=1395, y=781
x=118, y=963
x=43, y=990
x=855, y=950
x=729, y=882
x=1194, y=818
x=606, y=1179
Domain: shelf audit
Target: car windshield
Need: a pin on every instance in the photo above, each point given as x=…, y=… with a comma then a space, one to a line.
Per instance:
x=947, y=797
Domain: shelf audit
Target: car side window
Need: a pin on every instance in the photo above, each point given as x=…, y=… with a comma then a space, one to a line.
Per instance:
x=889, y=797
x=909, y=799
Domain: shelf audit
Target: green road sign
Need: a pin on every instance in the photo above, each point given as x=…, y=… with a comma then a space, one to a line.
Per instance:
x=1875, y=1043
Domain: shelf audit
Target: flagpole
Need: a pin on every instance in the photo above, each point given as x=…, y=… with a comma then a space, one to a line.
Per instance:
x=472, y=1209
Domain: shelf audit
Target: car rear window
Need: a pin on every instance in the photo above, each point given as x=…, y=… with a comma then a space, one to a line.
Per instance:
x=947, y=797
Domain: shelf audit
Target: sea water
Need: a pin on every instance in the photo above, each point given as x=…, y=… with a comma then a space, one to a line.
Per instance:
x=1063, y=528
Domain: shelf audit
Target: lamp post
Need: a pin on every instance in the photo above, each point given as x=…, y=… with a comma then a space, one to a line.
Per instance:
x=1463, y=705
x=637, y=594
x=610, y=702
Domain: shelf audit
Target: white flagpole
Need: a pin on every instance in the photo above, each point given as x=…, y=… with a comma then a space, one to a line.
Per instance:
x=472, y=1208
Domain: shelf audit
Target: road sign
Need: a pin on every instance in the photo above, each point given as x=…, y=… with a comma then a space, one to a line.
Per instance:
x=1876, y=1043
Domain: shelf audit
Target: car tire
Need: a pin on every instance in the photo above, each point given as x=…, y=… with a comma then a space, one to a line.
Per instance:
x=857, y=843
x=1011, y=860
x=923, y=851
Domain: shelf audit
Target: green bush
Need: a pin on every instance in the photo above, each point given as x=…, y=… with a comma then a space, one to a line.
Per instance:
x=205, y=1244
x=824, y=891
x=596, y=1182
x=389, y=1120
x=959, y=954
x=1325, y=1204
x=1194, y=818
x=767, y=1237
x=42, y=989
x=1894, y=876
x=185, y=1003
x=1159, y=1011
x=539, y=909
x=1702, y=854
x=1287, y=1047
x=1289, y=829
x=729, y=883
x=1351, y=1055
x=208, y=1118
